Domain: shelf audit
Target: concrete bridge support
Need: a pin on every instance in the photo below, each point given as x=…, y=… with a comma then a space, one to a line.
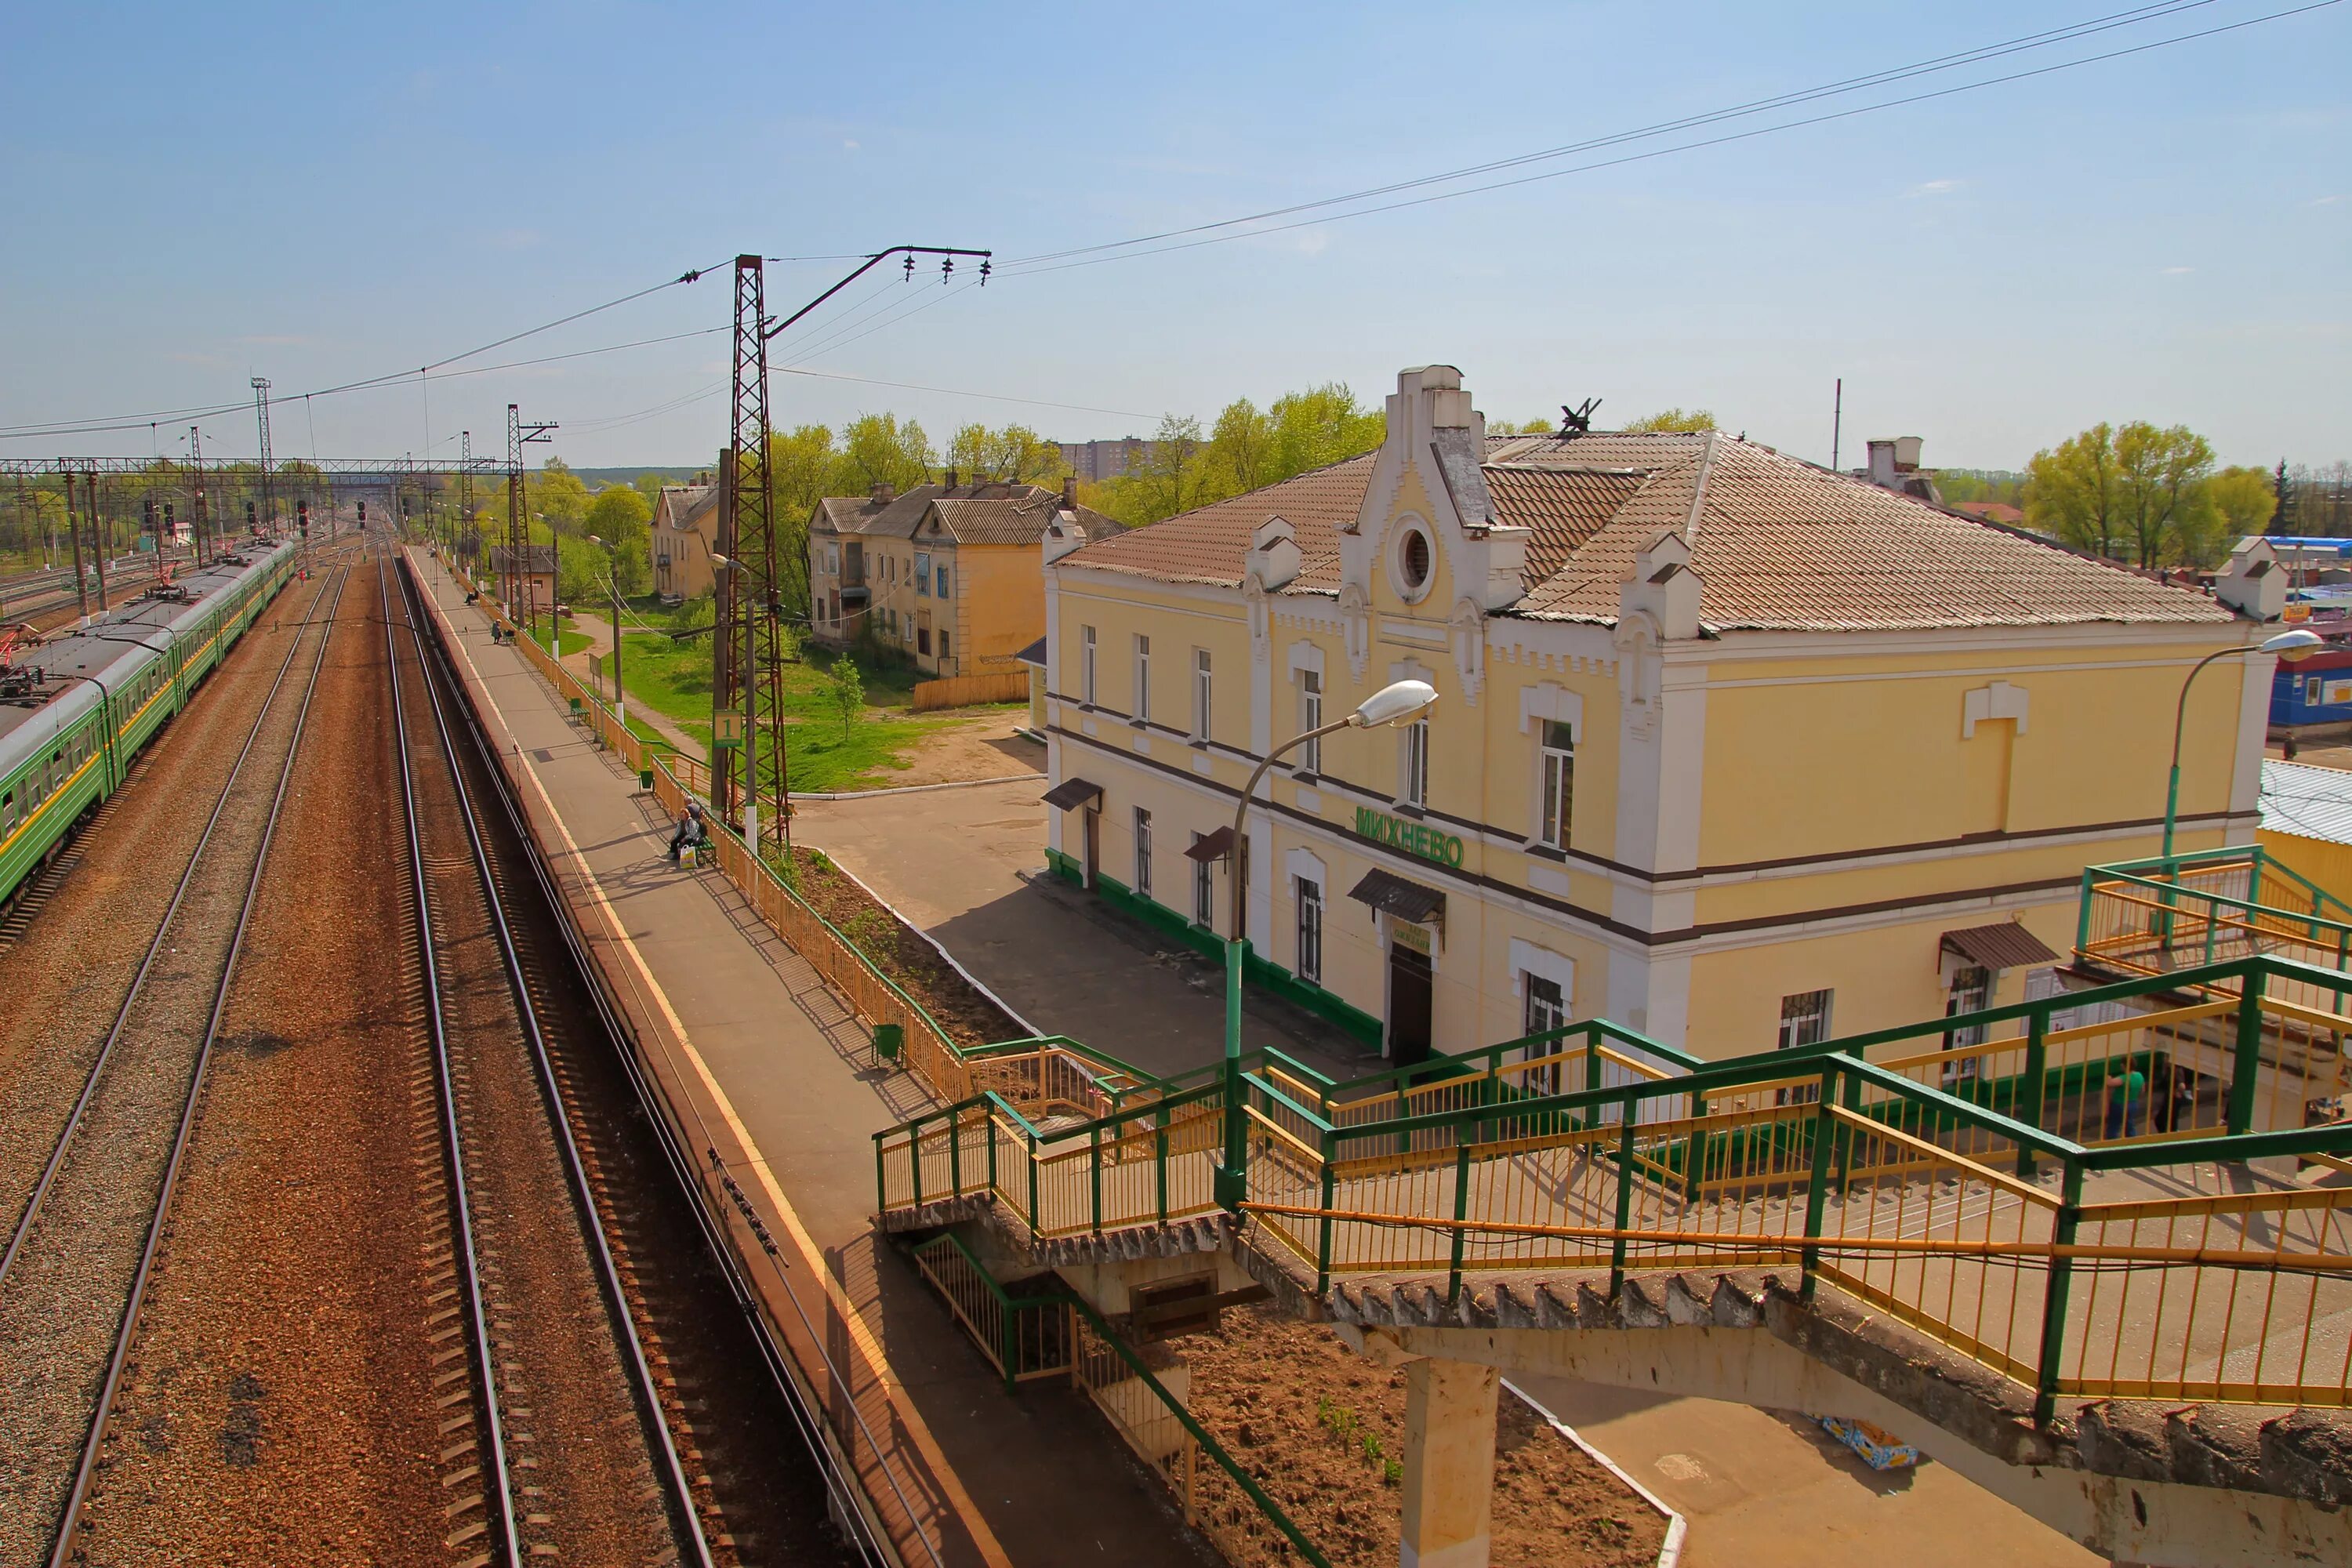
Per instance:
x=1449, y=1463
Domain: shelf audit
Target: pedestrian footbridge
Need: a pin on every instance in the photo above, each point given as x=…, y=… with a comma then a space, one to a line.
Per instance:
x=2135, y=1324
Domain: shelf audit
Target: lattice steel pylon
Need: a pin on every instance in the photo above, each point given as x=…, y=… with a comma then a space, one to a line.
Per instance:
x=518, y=536
x=752, y=597
x=261, y=417
x=196, y=469
x=465, y=530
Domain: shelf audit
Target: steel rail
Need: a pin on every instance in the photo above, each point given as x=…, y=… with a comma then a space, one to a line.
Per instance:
x=850, y=1508
x=461, y=1204
x=154, y=949
x=86, y=1470
x=608, y=1274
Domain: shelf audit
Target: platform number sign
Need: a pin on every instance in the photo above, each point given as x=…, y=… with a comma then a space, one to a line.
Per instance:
x=726, y=729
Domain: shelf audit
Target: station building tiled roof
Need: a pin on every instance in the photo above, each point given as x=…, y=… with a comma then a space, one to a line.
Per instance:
x=1777, y=543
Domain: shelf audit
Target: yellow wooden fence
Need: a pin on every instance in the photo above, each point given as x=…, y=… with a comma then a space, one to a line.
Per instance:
x=964, y=690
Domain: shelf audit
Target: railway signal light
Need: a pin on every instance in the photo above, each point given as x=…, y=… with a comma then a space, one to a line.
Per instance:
x=248, y=515
x=147, y=510
x=363, y=511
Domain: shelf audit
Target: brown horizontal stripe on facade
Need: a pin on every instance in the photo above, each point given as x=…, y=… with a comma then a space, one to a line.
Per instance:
x=1374, y=849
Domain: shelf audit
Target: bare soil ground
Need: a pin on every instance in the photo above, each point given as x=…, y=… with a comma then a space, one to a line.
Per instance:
x=957, y=1006
x=1303, y=1414
x=981, y=746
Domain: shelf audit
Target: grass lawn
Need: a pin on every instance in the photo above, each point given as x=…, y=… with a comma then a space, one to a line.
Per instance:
x=674, y=679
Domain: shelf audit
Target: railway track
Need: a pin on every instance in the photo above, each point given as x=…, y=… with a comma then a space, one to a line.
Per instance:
x=84, y=1243
x=575, y=1453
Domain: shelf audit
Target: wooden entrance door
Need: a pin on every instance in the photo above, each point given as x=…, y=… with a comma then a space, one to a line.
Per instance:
x=1412, y=991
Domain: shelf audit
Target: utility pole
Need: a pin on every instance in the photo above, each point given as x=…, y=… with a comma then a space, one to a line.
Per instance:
x=465, y=495
x=73, y=532
x=97, y=532
x=726, y=587
x=196, y=468
x=261, y=417
x=1837, y=422
x=518, y=562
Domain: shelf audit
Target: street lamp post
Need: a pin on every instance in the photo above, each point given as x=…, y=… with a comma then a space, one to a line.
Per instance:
x=2291, y=646
x=1399, y=703
x=613, y=578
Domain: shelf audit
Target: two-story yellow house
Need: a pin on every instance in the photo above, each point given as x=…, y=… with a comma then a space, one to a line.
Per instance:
x=1729, y=748
x=685, y=531
x=945, y=574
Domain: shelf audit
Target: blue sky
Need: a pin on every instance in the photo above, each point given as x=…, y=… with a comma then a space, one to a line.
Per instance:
x=321, y=194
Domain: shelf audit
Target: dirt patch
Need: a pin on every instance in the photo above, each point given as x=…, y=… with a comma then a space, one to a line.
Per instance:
x=984, y=747
x=957, y=1005
x=1321, y=1430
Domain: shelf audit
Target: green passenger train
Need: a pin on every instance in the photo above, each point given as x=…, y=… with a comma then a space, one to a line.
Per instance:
x=75, y=711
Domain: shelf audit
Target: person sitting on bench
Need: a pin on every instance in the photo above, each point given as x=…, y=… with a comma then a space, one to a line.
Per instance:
x=691, y=829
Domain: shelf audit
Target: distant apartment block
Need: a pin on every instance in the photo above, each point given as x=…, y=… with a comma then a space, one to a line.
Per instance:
x=1095, y=461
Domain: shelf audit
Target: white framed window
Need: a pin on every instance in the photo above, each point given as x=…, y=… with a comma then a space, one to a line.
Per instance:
x=1805, y=1018
x=1804, y=1021
x=922, y=573
x=1310, y=718
x=1142, y=679
x=1412, y=786
x=1204, y=889
x=1556, y=785
x=1309, y=965
x=1971, y=992
x=1142, y=852
x=1086, y=666
x=942, y=583
x=1544, y=1009
x=1200, y=694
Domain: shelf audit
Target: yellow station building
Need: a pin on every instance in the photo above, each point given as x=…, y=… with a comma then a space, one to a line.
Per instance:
x=1729, y=748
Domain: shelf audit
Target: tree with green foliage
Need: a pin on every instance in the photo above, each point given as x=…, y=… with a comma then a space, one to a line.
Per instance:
x=1682, y=419
x=2071, y=491
x=1245, y=449
x=846, y=689
x=1522, y=428
x=2245, y=499
x=2161, y=476
x=1013, y=454
x=880, y=450
x=619, y=516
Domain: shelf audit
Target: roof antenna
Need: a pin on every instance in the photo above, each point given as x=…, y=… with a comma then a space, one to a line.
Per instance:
x=1577, y=421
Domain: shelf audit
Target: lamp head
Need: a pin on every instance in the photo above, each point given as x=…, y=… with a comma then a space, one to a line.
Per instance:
x=1399, y=703
x=2294, y=646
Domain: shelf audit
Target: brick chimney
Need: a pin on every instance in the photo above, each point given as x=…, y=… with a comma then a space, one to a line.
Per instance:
x=952, y=476
x=1069, y=492
x=881, y=493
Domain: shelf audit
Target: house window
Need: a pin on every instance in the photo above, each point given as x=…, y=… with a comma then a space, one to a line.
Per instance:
x=2312, y=690
x=1310, y=931
x=1413, y=788
x=1142, y=852
x=833, y=560
x=942, y=581
x=1204, y=889
x=1142, y=680
x=922, y=573
x=1558, y=783
x=1971, y=992
x=1086, y=666
x=943, y=642
x=1310, y=719
x=1804, y=1019
x=923, y=640
x=1200, y=695
x=1546, y=1009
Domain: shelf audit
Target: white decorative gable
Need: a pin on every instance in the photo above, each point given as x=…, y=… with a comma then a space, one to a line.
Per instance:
x=1437, y=437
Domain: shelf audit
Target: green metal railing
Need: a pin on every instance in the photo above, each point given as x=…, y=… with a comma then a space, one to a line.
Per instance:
x=1027, y=1337
x=1965, y=1174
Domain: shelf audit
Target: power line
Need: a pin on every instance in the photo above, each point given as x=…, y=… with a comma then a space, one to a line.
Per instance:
x=958, y=392
x=132, y=421
x=1032, y=265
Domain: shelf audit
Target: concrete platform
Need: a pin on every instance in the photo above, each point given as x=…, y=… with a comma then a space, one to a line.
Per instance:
x=765, y=1071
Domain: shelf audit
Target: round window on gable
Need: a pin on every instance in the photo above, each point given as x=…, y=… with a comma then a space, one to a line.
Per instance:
x=1412, y=561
